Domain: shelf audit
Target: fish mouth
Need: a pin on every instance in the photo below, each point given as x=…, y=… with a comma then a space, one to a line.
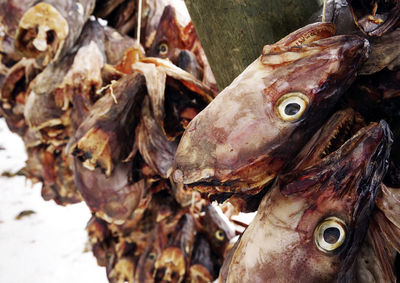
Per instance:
x=329, y=138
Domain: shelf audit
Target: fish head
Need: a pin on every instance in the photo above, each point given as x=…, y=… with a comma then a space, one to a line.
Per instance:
x=168, y=40
x=217, y=229
x=243, y=138
x=312, y=222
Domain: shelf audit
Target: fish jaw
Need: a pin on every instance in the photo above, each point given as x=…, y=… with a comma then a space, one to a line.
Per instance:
x=279, y=244
x=239, y=142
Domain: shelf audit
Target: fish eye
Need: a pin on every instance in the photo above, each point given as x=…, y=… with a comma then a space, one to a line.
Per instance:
x=330, y=234
x=163, y=49
x=151, y=256
x=220, y=235
x=292, y=106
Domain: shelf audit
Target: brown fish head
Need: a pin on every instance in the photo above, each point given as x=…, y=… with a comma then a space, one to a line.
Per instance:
x=146, y=263
x=311, y=224
x=253, y=127
x=168, y=41
x=217, y=228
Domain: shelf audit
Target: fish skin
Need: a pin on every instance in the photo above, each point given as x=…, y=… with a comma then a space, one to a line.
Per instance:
x=238, y=143
x=278, y=245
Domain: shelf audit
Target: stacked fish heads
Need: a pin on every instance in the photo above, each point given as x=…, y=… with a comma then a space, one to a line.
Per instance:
x=241, y=140
x=311, y=224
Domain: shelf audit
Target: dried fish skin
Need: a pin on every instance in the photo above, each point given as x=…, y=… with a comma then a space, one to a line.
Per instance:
x=113, y=198
x=58, y=178
x=49, y=29
x=155, y=148
x=14, y=93
x=237, y=143
x=110, y=124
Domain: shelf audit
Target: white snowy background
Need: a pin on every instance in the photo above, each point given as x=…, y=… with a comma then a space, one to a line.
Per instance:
x=49, y=245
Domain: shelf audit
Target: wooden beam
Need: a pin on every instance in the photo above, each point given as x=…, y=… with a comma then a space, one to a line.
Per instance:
x=233, y=32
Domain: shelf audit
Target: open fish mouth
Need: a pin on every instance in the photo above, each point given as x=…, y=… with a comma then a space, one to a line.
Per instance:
x=330, y=137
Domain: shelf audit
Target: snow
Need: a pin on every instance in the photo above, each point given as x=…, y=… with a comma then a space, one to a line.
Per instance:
x=48, y=245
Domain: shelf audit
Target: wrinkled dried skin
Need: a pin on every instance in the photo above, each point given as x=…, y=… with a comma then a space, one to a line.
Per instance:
x=50, y=28
x=58, y=179
x=13, y=93
x=240, y=141
x=83, y=76
x=157, y=151
x=41, y=110
x=375, y=18
x=281, y=235
x=106, y=136
x=113, y=198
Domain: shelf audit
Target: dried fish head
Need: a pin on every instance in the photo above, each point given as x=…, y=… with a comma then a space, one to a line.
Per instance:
x=244, y=137
x=310, y=225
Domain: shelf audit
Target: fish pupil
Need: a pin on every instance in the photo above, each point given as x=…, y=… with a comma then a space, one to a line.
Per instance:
x=292, y=109
x=331, y=235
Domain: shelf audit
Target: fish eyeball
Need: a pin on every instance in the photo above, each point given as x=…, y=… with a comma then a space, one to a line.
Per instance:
x=163, y=49
x=151, y=256
x=220, y=235
x=330, y=234
x=292, y=106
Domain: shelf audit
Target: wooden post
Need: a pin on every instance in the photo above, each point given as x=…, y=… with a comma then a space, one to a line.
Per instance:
x=233, y=32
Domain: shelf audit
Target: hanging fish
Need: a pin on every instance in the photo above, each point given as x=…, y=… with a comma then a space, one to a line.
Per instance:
x=245, y=136
x=310, y=225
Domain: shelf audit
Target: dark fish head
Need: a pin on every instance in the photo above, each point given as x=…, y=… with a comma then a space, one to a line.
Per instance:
x=168, y=41
x=253, y=127
x=217, y=229
x=311, y=224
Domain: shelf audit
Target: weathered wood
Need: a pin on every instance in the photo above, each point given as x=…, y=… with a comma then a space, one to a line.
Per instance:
x=233, y=32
